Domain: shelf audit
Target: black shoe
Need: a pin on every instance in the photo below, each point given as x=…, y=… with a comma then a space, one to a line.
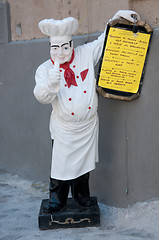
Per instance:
x=85, y=202
x=58, y=195
x=52, y=207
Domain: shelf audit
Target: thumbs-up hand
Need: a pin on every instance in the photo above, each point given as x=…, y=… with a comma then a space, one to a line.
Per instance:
x=54, y=76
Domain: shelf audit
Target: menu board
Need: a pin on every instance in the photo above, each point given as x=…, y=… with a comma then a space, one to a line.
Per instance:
x=123, y=60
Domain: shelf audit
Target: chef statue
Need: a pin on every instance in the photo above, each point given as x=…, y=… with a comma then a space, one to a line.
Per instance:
x=67, y=82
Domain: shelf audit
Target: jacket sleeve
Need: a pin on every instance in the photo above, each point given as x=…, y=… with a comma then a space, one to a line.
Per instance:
x=41, y=91
x=96, y=48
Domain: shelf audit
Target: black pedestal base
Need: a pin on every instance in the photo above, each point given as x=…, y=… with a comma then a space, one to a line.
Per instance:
x=70, y=217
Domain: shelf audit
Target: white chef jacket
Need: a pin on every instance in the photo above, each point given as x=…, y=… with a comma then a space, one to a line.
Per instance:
x=74, y=119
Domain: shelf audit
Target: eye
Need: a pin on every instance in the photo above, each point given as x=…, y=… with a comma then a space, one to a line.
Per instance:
x=65, y=47
x=54, y=49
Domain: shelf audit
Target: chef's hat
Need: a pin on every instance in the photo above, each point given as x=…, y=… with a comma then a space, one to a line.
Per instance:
x=67, y=26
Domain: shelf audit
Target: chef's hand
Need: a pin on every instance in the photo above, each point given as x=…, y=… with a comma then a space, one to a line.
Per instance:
x=54, y=76
x=128, y=15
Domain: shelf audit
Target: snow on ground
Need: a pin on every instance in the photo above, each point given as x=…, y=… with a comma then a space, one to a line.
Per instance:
x=19, y=208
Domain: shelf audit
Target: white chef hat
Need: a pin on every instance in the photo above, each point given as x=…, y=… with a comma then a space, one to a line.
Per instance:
x=66, y=27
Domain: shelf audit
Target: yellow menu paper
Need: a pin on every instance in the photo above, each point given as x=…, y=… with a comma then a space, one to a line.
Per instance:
x=123, y=60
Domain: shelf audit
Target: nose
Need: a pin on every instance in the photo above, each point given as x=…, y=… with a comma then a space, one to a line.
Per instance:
x=60, y=50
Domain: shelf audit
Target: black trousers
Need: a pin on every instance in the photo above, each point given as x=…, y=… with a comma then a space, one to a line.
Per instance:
x=59, y=189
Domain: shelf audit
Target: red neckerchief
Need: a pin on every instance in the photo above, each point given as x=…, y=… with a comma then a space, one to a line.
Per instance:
x=68, y=74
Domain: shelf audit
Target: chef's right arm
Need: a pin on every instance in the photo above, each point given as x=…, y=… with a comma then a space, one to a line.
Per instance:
x=47, y=83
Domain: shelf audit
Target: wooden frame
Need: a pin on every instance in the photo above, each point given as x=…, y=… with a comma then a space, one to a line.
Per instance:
x=106, y=86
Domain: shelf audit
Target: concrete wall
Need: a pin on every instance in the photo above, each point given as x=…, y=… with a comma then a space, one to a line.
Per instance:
x=129, y=140
x=92, y=14
x=25, y=15
x=129, y=131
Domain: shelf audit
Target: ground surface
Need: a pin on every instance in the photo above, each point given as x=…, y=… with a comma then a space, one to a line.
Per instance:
x=19, y=208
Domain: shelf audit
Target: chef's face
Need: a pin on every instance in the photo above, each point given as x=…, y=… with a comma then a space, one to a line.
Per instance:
x=61, y=48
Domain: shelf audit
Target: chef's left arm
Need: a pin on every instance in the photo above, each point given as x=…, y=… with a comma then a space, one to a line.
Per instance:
x=97, y=45
x=96, y=48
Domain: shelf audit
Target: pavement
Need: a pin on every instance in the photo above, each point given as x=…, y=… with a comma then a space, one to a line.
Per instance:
x=20, y=202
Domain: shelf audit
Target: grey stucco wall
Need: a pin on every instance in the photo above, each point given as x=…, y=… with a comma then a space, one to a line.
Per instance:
x=129, y=142
x=129, y=131
x=22, y=144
